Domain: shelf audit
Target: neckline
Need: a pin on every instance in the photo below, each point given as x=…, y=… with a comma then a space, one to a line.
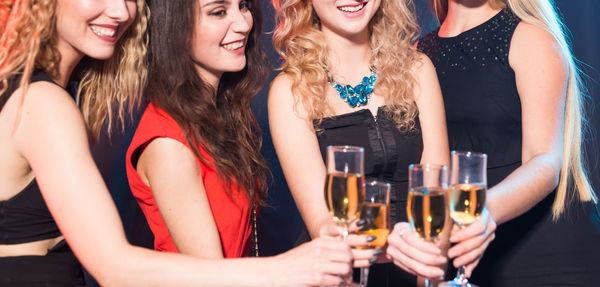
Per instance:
x=363, y=110
x=471, y=30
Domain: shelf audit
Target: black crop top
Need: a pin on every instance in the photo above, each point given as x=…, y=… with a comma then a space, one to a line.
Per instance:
x=25, y=217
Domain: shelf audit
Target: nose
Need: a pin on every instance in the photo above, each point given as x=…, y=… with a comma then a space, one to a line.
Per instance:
x=242, y=22
x=118, y=10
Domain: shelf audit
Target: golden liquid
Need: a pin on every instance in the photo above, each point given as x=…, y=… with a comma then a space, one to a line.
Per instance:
x=466, y=203
x=426, y=210
x=344, y=193
x=377, y=218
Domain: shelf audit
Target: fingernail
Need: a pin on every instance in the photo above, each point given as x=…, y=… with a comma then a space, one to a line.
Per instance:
x=377, y=252
x=371, y=238
x=442, y=260
x=361, y=222
x=372, y=260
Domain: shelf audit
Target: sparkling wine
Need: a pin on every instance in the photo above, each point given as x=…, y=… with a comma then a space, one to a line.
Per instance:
x=426, y=210
x=344, y=192
x=377, y=223
x=466, y=203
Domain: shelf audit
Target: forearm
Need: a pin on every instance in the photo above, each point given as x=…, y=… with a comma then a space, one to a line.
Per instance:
x=142, y=267
x=523, y=188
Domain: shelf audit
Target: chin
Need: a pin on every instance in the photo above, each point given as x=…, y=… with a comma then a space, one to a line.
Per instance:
x=99, y=54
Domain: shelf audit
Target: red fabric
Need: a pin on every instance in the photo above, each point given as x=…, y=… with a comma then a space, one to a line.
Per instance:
x=231, y=213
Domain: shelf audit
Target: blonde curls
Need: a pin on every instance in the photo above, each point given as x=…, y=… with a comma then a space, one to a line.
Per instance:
x=299, y=41
x=108, y=88
x=574, y=182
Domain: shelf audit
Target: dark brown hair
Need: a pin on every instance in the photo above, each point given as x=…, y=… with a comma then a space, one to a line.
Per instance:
x=220, y=122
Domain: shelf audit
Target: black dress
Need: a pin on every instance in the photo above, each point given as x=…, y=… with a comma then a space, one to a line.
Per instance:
x=483, y=113
x=388, y=152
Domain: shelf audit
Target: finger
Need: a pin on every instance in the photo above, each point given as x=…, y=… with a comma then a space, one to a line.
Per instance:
x=476, y=253
x=412, y=246
x=403, y=234
x=361, y=263
x=329, y=280
x=356, y=225
x=365, y=254
x=469, y=268
x=413, y=266
x=469, y=245
x=474, y=229
x=329, y=230
x=355, y=240
x=326, y=243
x=333, y=268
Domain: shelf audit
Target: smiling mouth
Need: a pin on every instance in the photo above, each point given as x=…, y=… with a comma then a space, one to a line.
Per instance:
x=234, y=45
x=103, y=31
x=353, y=8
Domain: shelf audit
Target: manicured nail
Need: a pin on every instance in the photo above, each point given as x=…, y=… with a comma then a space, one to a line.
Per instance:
x=371, y=238
x=361, y=222
x=377, y=252
x=372, y=260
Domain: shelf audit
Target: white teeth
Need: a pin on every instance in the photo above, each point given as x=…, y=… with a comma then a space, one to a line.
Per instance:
x=234, y=46
x=103, y=31
x=351, y=8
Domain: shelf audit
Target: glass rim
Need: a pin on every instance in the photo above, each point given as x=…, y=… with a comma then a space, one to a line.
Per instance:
x=377, y=183
x=468, y=153
x=345, y=148
x=427, y=166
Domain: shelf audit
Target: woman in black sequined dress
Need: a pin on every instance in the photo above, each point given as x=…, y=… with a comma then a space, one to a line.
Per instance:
x=511, y=89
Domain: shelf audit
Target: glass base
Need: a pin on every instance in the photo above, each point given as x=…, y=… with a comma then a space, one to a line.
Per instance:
x=454, y=283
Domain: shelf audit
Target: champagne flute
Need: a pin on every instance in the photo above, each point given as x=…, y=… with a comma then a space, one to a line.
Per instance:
x=375, y=212
x=344, y=186
x=426, y=207
x=468, y=181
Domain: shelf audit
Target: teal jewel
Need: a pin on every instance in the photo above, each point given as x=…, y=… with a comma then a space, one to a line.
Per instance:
x=358, y=95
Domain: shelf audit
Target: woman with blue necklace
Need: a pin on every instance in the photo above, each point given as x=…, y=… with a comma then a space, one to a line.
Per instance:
x=350, y=76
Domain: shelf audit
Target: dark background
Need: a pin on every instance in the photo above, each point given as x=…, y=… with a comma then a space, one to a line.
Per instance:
x=280, y=224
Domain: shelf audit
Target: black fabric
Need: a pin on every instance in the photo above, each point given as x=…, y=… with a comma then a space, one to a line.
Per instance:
x=483, y=112
x=25, y=216
x=58, y=267
x=388, y=152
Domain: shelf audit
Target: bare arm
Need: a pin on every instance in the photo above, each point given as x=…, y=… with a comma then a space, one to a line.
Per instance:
x=541, y=74
x=172, y=171
x=53, y=139
x=298, y=152
x=541, y=77
x=406, y=249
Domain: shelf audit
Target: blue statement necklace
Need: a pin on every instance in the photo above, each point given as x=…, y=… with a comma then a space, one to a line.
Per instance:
x=358, y=95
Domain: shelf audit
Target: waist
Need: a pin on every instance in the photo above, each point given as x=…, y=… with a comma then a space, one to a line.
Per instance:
x=34, y=248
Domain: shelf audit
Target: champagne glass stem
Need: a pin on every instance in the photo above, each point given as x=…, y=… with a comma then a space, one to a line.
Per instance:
x=344, y=231
x=364, y=276
x=461, y=278
x=428, y=282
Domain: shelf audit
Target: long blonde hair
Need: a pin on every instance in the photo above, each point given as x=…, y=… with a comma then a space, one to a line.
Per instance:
x=572, y=173
x=299, y=41
x=27, y=42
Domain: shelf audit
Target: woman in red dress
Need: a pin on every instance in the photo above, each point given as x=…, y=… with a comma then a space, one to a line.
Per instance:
x=194, y=164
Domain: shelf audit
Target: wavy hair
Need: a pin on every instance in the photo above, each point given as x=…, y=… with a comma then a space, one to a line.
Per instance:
x=219, y=121
x=573, y=181
x=28, y=42
x=299, y=41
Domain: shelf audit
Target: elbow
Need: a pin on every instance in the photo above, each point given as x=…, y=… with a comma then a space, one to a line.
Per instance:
x=110, y=269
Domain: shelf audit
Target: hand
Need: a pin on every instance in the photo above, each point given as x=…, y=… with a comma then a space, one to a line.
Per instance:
x=413, y=254
x=316, y=263
x=362, y=257
x=472, y=242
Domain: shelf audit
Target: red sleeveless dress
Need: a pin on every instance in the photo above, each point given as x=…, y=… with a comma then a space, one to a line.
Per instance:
x=231, y=213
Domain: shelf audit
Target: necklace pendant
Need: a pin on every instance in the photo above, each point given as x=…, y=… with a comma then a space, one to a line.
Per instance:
x=358, y=95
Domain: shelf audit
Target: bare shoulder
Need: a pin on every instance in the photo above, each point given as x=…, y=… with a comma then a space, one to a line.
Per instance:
x=531, y=44
x=423, y=66
x=166, y=158
x=280, y=92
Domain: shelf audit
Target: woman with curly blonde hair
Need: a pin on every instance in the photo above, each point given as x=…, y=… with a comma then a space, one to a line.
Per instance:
x=51, y=192
x=395, y=111
x=512, y=89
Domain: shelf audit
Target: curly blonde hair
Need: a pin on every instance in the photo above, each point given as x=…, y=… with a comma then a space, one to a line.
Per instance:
x=28, y=42
x=393, y=29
